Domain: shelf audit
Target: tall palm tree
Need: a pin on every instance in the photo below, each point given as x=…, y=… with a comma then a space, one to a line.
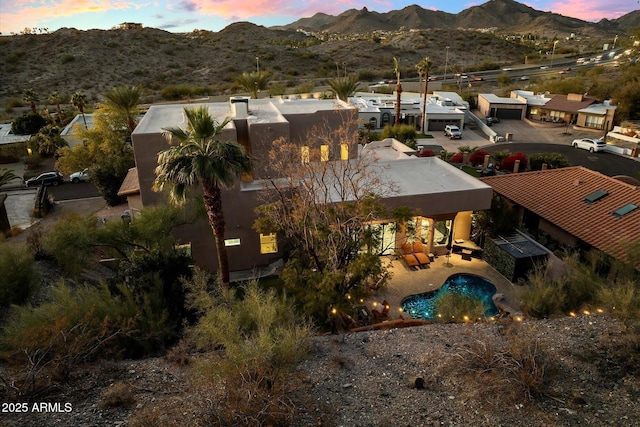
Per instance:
x=125, y=99
x=424, y=67
x=202, y=159
x=30, y=96
x=254, y=81
x=396, y=69
x=79, y=100
x=344, y=86
x=54, y=99
x=6, y=176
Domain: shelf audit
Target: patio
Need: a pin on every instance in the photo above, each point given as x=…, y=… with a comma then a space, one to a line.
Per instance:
x=406, y=281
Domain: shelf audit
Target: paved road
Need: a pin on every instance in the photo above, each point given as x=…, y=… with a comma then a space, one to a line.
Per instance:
x=605, y=163
x=68, y=191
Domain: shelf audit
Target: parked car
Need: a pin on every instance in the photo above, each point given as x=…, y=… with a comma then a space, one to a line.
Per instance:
x=524, y=78
x=453, y=132
x=593, y=145
x=47, y=178
x=79, y=176
x=544, y=67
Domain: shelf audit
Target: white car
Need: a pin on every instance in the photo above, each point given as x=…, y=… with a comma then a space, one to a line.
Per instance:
x=79, y=176
x=593, y=145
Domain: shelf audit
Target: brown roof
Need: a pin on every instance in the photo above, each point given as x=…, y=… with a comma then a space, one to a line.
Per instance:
x=568, y=103
x=130, y=185
x=558, y=196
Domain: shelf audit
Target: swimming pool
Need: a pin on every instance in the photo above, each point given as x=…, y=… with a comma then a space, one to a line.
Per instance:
x=422, y=306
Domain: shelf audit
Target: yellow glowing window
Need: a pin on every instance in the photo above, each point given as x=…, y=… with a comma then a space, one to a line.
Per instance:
x=344, y=151
x=324, y=153
x=268, y=243
x=304, y=154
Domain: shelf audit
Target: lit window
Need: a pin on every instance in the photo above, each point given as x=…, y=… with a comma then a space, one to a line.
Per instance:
x=344, y=151
x=304, y=154
x=324, y=153
x=232, y=242
x=184, y=249
x=268, y=243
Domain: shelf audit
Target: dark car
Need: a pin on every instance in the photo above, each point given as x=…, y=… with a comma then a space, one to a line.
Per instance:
x=47, y=178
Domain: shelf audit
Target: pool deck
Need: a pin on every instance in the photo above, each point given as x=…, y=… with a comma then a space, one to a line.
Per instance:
x=406, y=281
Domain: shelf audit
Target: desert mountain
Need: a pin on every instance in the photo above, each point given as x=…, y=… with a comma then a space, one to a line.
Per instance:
x=504, y=15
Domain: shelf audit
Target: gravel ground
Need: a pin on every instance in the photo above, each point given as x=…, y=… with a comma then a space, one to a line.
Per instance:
x=591, y=378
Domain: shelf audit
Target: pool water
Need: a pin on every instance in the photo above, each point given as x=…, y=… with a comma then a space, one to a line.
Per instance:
x=423, y=306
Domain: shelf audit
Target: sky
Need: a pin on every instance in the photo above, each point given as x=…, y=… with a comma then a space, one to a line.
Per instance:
x=214, y=15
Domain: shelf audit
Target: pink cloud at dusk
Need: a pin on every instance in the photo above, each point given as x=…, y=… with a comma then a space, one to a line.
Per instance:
x=36, y=13
x=229, y=9
x=591, y=10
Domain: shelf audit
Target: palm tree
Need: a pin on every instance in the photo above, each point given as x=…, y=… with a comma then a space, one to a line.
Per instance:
x=30, y=96
x=396, y=69
x=254, y=81
x=79, y=100
x=344, y=86
x=55, y=99
x=202, y=159
x=125, y=99
x=423, y=68
x=6, y=176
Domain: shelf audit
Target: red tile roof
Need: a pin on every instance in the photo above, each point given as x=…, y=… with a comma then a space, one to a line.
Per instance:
x=557, y=195
x=568, y=103
x=131, y=184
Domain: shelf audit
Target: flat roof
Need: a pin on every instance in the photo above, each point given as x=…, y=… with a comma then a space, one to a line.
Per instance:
x=6, y=137
x=494, y=99
x=267, y=110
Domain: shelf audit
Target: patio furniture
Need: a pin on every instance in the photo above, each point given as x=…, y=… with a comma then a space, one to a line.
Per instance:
x=418, y=251
x=466, y=254
x=409, y=257
x=364, y=315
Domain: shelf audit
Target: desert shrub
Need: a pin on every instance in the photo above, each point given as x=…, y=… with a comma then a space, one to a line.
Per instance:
x=510, y=365
x=71, y=241
x=19, y=280
x=66, y=58
x=261, y=337
x=305, y=87
x=12, y=103
x=454, y=307
x=456, y=158
x=75, y=326
x=403, y=133
x=543, y=298
x=553, y=161
x=477, y=157
x=508, y=163
x=118, y=394
x=622, y=298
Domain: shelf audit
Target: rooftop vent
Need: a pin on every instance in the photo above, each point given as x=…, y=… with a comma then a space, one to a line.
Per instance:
x=628, y=208
x=595, y=196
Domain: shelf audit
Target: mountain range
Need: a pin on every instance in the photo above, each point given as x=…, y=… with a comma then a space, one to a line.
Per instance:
x=94, y=61
x=503, y=15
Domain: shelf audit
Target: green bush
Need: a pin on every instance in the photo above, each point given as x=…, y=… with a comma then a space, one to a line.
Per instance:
x=553, y=161
x=73, y=327
x=403, y=133
x=454, y=307
x=28, y=124
x=19, y=280
x=622, y=299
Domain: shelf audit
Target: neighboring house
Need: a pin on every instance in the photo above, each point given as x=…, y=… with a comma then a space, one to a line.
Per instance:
x=576, y=206
x=444, y=196
x=597, y=116
x=491, y=105
x=71, y=132
x=443, y=108
x=12, y=147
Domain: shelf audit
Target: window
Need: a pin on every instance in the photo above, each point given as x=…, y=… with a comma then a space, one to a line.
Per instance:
x=424, y=230
x=344, y=151
x=268, y=243
x=442, y=232
x=324, y=153
x=232, y=242
x=304, y=154
x=594, y=122
x=386, y=119
x=384, y=236
x=184, y=249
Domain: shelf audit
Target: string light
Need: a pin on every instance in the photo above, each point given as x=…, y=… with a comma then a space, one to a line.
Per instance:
x=334, y=311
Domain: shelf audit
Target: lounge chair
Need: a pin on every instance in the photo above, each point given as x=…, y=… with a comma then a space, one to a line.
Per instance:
x=418, y=251
x=409, y=257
